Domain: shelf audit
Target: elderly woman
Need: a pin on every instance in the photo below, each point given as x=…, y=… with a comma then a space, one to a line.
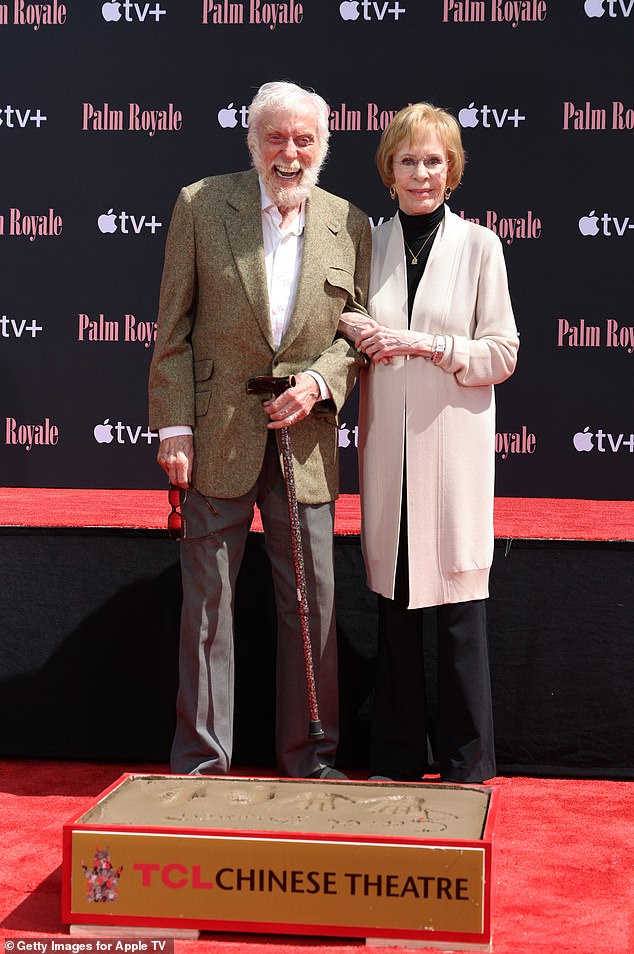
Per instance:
x=442, y=335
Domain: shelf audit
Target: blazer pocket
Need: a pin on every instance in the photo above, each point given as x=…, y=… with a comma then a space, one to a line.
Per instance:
x=325, y=412
x=340, y=279
x=203, y=373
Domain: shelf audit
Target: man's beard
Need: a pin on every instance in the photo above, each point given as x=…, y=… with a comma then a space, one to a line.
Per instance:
x=291, y=195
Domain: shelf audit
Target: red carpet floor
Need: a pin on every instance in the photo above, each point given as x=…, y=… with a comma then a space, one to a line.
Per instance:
x=563, y=850
x=515, y=517
x=563, y=847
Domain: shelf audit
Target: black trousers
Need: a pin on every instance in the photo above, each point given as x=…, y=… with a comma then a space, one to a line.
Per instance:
x=401, y=731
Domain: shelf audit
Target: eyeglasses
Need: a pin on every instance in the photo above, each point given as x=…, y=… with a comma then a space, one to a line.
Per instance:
x=431, y=163
x=176, y=524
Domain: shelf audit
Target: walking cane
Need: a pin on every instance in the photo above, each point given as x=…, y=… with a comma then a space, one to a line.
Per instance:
x=267, y=384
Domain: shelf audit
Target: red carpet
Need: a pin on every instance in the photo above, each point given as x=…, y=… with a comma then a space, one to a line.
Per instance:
x=563, y=847
x=515, y=517
x=563, y=850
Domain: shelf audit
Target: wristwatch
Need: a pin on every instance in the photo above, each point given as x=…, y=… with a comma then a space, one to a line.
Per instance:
x=438, y=348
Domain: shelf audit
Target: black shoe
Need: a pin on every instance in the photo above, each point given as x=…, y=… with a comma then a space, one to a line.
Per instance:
x=327, y=771
x=449, y=781
x=380, y=778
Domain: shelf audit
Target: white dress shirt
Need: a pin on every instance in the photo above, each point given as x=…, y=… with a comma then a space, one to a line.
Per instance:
x=283, y=259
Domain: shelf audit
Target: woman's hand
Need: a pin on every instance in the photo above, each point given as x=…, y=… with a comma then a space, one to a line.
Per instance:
x=383, y=344
x=352, y=325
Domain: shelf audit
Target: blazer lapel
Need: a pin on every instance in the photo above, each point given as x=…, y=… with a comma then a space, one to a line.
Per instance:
x=320, y=231
x=243, y=225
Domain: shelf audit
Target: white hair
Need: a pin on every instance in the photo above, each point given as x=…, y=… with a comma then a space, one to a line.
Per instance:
x=288, y=97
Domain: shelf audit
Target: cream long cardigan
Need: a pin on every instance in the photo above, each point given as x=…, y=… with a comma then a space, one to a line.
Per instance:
x=437, y=419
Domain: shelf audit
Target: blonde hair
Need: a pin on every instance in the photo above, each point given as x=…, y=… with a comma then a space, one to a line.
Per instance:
x=407, y=124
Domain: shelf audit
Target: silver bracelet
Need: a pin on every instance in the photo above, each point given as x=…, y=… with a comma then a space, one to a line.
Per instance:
x=438, y=348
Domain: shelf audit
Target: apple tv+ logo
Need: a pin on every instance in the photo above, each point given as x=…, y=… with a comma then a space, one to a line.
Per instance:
x=370, y=10
x=610, y=225
x=125, y=434
x=111, y=11
x=490, y=117
x=615, y=8
x=127, y=223
x=583, y=441
x=228, y=116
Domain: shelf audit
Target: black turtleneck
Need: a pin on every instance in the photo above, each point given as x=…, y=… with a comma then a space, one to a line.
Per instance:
x=419, y=232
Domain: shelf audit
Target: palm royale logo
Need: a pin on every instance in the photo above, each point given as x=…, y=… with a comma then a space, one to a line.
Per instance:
x=31, y=225
x=583, y=334
x=589, y=117
x=127, y=329
x=28, y=436
x=34, y=15
x=131, y=118
x=513, y=12
x=509, y=443
x=254, y=12
x=508, y=227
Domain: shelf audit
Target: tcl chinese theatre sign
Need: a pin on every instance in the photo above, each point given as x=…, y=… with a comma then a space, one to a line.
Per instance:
x=327, y=858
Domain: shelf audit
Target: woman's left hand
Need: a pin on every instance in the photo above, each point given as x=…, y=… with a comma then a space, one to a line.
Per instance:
x=383, y=344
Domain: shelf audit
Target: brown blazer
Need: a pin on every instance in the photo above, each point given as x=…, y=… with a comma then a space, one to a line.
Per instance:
x=214, y=332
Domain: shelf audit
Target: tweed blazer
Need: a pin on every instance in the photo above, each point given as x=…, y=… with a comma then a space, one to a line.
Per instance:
x=214, y=332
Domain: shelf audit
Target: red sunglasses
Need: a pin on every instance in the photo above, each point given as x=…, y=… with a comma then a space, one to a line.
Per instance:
x=176, y=523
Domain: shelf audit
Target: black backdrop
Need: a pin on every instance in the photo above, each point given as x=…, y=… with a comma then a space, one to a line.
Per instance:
x=546, y=84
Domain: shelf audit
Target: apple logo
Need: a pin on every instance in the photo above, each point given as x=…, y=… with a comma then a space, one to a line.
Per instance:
x=107, y=222
x=344, y=435
x=111, y=11
x=349, y=10
x=103, y=432
x=594, y=8
x=227, y=117
x=582, y=440
x=588, y=224
x=468, y=117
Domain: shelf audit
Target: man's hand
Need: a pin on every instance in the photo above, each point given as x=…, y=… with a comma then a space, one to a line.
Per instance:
x=176, y=457
x=294, y=404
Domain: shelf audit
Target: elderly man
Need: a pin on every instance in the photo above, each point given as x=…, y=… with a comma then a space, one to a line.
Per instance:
x=259, y=266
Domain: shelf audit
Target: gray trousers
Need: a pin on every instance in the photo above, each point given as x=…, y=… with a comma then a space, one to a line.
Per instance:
x=203, y=741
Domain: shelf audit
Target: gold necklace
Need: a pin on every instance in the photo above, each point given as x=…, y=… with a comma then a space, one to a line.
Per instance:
x=415, y=256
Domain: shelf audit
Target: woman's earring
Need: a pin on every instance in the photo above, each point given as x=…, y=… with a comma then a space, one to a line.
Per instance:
x=447, y=193
x=392, y=192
